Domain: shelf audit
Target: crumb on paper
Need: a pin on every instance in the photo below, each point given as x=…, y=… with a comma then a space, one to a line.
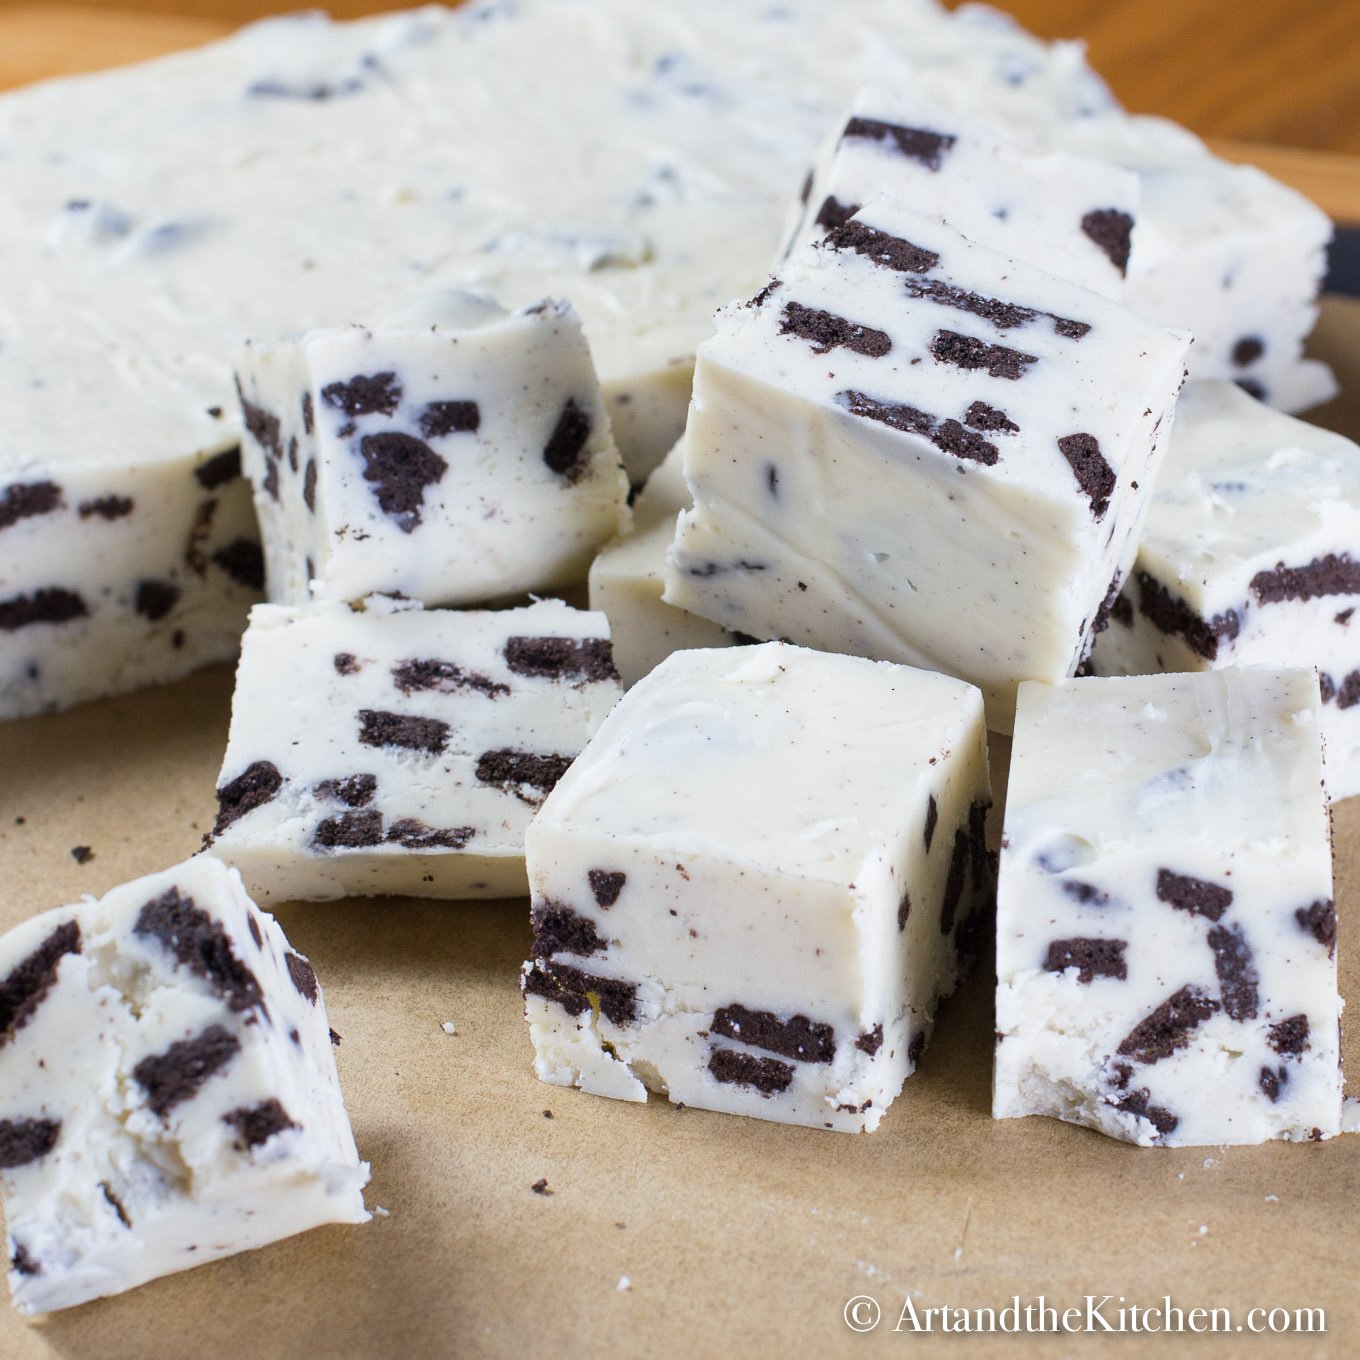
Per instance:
x=547, y=1114
x=958, y=1253
x=624, y=1283
x=448, y=1027
x=620, y=1225
x=380, y=1212
x=82, y=854
x=1203, y=1228
x=1272, y=1199
x=1210, y=1163
x=1350, y=1115
x=336, y=1041
x=540, y=1186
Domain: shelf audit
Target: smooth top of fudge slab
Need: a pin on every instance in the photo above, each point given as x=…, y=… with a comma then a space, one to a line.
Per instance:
x=1225, y=758
x=636, y=159
x=795, y=761
x=1246, y=491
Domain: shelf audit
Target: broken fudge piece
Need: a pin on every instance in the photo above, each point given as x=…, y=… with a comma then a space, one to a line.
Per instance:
x=1069, y=215
x=627, y=578
x=454, y=454
x=912, y=448
x=401, y=751
x=1166, y=934
x=1247, y=556
x=754, y=887
x=168, y=1094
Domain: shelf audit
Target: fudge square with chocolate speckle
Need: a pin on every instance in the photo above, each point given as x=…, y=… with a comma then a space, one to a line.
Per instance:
x=912, y=448
x=1166, y=933
x=397, y=750
x=1250, y=556
x=454, y=453
x=168, y=1093
x=756, y=884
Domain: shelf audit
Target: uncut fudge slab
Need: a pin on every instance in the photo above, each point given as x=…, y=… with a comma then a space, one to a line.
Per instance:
x=755, y=886
x=1069, y=215
x=168, y=1094
x=454, y=454
x=1249, y=555
x=913, y=448
x=304, y=174
x=627, y=580
x=1166, y=934
x=402, y=751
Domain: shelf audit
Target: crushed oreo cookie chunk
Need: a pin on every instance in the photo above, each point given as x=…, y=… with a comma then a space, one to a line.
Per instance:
x=1330, y=575
x=903, y=911
x=220, y=469
x=1289, y=1037
x=243, y=560
x=346, y=663
x=980, y=416
x=1272, y=1080
x=948, y=436
x=23, y=500
x=402, y=730
x=255, y=786
x=1195, y=895
x=969, y=353
x=442, y=418
x=172, y=1077
x=364, y=395
x=1248, y=350
x=26, y=1140
x=918, y=144
x=304, y=976
x=514, y=771
x=606, y=885
x=1319, y=920
x=1170, y=614
x=23, y=991
x=309, y=489
x=953, y=886
x=577, y=991
x=892, y=252
x=833, y=213
x=1140, y=1103
x=1112, y=231
x=155, y=599
x=794, y=1037
x=561, y=658
x=106, y=507
x=1092, y=958
x=255, y=1125
x=560, y=930
x=200, y=945
x=21, y=1262
x=870, y=1041
x=1237, y=977
x=400, y=467
x=54, y=604
x=413, y=834
x=1094, y=475
x=355, y=790
x=1169, y=1027
x=445, y=677
x=565, y=452
x=827, y=331
x=932, y=820
x=767, y=1075
x=349, y=830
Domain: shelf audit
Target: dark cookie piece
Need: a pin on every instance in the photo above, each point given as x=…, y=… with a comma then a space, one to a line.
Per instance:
x=561, y=658
x=364, y=395
x=400, y=466
x=1003, y=315
x=346, y=663
x=155, y=599
x=200, y=530
x=21, y=1262
x=106, y=507
x=833, y=213
x=1237, y=978
x=243, y=561
x=796, y=1037
x=22, y=992
x=404, y=730
x=176, y=1075
x=982, y=862
x=948, y=436
x=82, y=854
x=1195, y=895
x=1272, y=1080
x=1329, y=575
x=309, y=487
x=903, y=911
x=565, y=451
x=257, y=1124
x=1348, y=695
x=870, y=1041
x=201, y=945
x=308, y=414
x=983, y=417
x=315, y=92
x=514, y=771
x=759, y=300
x=918, y=144
x=445, y=677
x=705, y=570
x=1168, y=1028
x=115, y=1203
x=1112, y=231
x=953, y=885
x=220, y=469
x=560, y=930
x=54, y=604
x=303, y=975
x=1092, y=958
x=767, y=1075
x=442, y=418
x=606, y=885
x=1170, y=614
x=413, y=834
x=1289, y=1037
x=262, y=426
x=1248, y=350
x=349, y=830
x=892, y=252
x=1140, y=1103
x=1326, y=687
x=254, y=787
x=1121, y=611
x=26, y=1140
x=932, y=820
x=1319, y=920
x=1094, y=475
x=968, y=353
x=576, y=991
x=23, y=500
x=826, y=331
x=253, y=926
x=1107, y=606
x=355, y=790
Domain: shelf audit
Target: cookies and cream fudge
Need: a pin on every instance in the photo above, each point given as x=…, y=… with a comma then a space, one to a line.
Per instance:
x=395, y=750
x=453, y=453
x=628, y=576
x=1069, y=215
x=1166, y=933
x=168, y=1093
x=910, y=447
x=1249, y=555
x=757, y=882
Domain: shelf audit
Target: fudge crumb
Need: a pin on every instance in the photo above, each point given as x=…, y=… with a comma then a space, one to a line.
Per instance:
x=548, y=1114
x=448, y=1027
x=82, y=854
x=540, y=1186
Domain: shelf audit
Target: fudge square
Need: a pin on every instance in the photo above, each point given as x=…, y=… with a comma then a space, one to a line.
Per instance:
x=1247, y=556
x=1166, y=934
x=397, y=750
x=756, y=884
x=168, y=1093
x=912, y=448
x=454, y=453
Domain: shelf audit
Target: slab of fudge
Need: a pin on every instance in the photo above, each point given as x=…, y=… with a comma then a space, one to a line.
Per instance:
x=454, y=454
x=1249, y=555
x=754, y=887
x=396, y=750
x=910, y=447
x=627, y=580
x=1069, y=215
x=168, y=1093
x=1166, y=932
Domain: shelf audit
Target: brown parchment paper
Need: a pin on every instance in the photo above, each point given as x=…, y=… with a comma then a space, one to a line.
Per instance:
x=736, y=1236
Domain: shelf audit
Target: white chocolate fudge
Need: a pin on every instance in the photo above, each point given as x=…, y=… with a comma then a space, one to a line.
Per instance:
x=168, y=1093
x=400, y=751
x=1249, y=555
x=756, y=884
x=912, y=448
x=627, y=579
x=1166, y=935
x=1069, y=215
x=454, y=454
